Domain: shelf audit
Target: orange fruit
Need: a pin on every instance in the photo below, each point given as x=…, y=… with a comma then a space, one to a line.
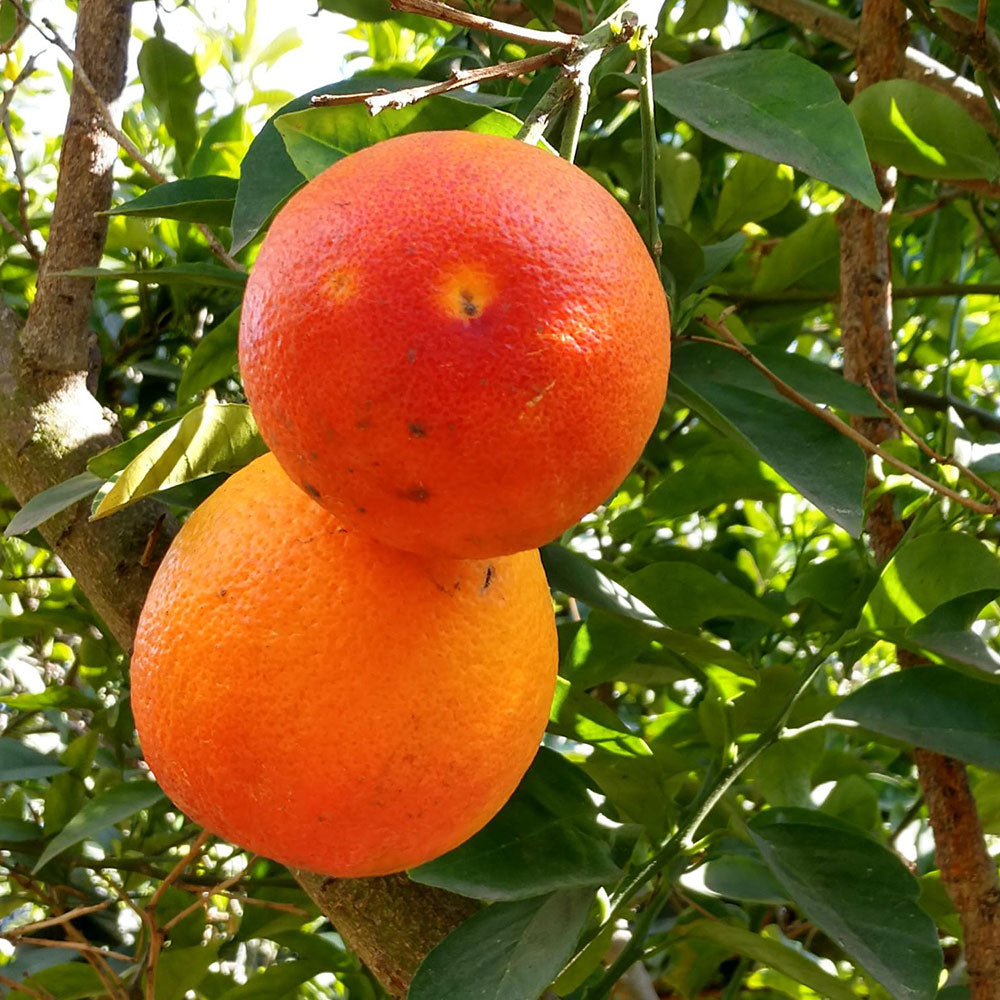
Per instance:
x=456, y=342
x=321, y=699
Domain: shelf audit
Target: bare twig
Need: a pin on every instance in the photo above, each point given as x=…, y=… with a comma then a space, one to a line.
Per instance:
x=84, y=947
x=913, y=396
x=732, y=343
x=206, y=894
x=193, y=851
x=23, y=238
x=934, y=456
x=80, y=911
x=20, y=987
x=793, y=295
x=379, y=100
x=466, y=19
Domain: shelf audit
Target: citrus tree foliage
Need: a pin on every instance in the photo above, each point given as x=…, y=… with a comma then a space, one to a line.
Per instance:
x=726, y=794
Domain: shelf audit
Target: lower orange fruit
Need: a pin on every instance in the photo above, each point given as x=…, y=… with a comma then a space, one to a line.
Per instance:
x=319, y=698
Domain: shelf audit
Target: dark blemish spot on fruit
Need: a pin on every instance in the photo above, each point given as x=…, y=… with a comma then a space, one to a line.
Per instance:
x=376, y=465
x=488, y=580
x=417, y=493
x=418, y=430
x=451, y=427
x=349, y=470
x=411, y=355
x=311, y=490
x=313, y=455
x=222, y=592
x=362, y=510
x=468, y=303
x=363, y=425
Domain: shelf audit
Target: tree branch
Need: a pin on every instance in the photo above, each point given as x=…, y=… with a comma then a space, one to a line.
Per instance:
x=967, y=870
x=466, y=19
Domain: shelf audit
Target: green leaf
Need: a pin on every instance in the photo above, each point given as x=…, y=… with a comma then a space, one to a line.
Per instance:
x=931, y=707
x=22, y=763
x=50, y=502
x=858, y=893
x=57, y=696
x=17, y=831
x=209, y=275
x=509, y=951
x=114, y=459
x=579, y=577
x=545, y=838
x=926, y=572
x=213, y=437
x=576, y=714
x=268, y=177
x=753, y=190
x=923, y=132
x=200, y=199
x=69, y=980
x=808, y=258
x=181, y=969
x=777, y=105
x=684, y=596
x=318, y=137
x=171, y=81
x=768, y=952
x=213, y=359
x=969, y=9
x=680, y=177
x=699, y=15
x=277, y=982
x=739, y=873
x=820, y=463
x=116, y=804
x=719, y=473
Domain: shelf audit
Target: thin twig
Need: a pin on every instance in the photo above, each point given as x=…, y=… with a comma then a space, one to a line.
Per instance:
x=112, y=129
x=579, y=75
x=732, y=343
x=193, y=851
x=84, y=947
x=945, y=289
x=650, y=149
x=80, y=911
x=466, y=19
x=379, y=100
x=22, y=238
x=542, y=114
x=933, y=455
x=20, y=987
x=205, y=895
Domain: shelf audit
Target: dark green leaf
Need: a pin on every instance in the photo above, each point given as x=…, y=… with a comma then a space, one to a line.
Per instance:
x=545, y=838
x=926, y=572
x=200, y=199
x=737, y=874
x=931, y=707
x=910, y=126
x=171, y=81
x=509, y=951
x=267, y=176
x=16, y=831
x=49, y=502
x=770, y=953
x=819, y=462
x=116, y=804
x=213, y=359
x=114, y=459
x=21, y=763
x=858, y=893
x=577, y=576
x=68, y=980
x=209, y=275
x=181, y=969
x=211, y=438
x=777, y=105
x=318, y=137
x=685, y=595
x=719, y=473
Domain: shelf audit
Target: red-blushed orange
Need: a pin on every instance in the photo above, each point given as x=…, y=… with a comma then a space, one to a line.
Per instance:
x=456, y=342
x=319, y=698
